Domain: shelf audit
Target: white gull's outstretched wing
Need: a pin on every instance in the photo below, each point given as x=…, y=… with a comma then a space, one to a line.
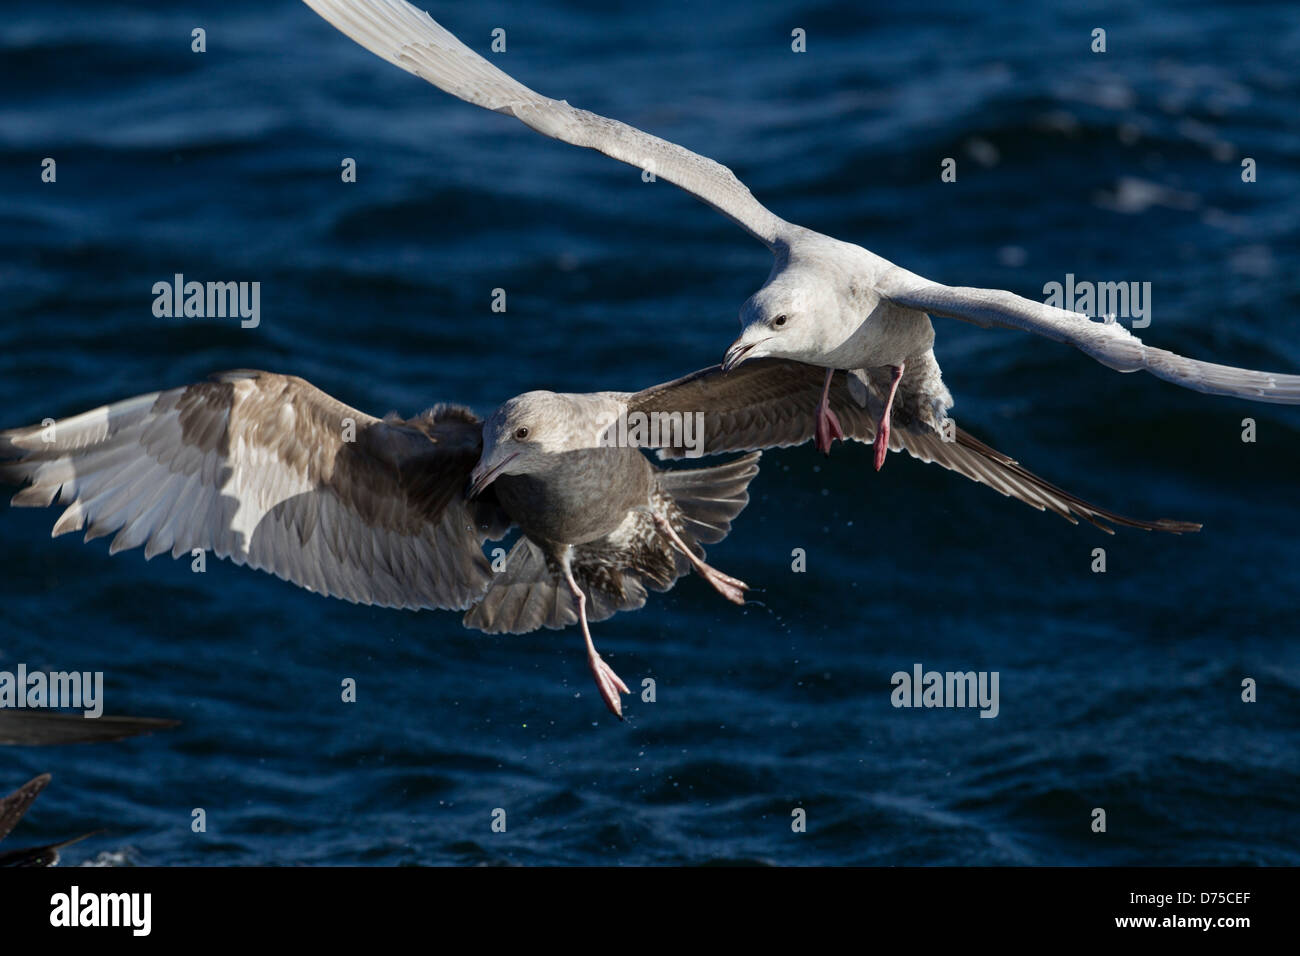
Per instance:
x=411, y=39
x=1107, y=342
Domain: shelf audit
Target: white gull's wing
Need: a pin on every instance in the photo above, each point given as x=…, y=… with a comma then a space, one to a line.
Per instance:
x=265, y=470
x=1107, y=342
x=411, y=39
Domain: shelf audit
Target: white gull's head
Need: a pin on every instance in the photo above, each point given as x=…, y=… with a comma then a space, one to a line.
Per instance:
x=790, y=317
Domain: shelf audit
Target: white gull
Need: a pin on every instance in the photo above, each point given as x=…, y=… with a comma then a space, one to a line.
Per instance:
x=826, y=302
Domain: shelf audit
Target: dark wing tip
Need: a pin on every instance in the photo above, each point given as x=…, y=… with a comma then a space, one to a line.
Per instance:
x=1100, y=517
x=1176, y=527
x=15, y=805
x=39, y=856
x=45, y=728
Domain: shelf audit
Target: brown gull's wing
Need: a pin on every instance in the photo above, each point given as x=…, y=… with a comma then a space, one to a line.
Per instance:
x=15, y=805
x=12, y=809
x=769, y=403
x=33, y=728
x=34, y=856
x=269, y=471
x=763, y=403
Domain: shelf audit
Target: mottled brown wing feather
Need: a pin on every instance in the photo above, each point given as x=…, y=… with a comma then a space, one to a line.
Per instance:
x=269, y=471
x=764, y=403
x=769, y=403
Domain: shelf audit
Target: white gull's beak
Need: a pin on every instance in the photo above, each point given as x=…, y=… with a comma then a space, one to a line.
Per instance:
x=737, y=353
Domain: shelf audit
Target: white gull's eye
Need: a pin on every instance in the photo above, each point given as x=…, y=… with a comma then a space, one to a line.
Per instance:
x=779, y=321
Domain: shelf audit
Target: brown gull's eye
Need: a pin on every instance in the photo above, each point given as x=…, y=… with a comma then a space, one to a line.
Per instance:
x=521, y=433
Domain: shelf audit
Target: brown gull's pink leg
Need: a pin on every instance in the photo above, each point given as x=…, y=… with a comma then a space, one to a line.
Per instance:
x=733, y=589
x=828, y=425
x=881, y=443
x=607, y=682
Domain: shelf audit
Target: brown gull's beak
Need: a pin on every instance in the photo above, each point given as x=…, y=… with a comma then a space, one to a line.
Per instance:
x=481, y=477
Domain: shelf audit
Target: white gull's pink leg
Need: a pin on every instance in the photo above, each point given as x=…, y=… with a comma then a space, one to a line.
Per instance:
x=881, y=443
x=828, y=425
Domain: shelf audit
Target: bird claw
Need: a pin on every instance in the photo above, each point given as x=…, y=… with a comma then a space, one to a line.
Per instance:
x=733, y=589
x=609, y=684
x=828, y=429
x=881, y=444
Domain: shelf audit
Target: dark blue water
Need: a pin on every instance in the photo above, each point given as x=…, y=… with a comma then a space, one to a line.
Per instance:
x=1118, y=690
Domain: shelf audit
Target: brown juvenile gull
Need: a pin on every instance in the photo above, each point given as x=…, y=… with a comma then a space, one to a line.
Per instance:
x=269, y=471
x=757, y=406
x=826, y=302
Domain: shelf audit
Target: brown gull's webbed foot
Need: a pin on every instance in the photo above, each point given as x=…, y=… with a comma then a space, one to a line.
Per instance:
x=827, y=423
x=881, y=444
x=607, y=682
x=733, y=589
